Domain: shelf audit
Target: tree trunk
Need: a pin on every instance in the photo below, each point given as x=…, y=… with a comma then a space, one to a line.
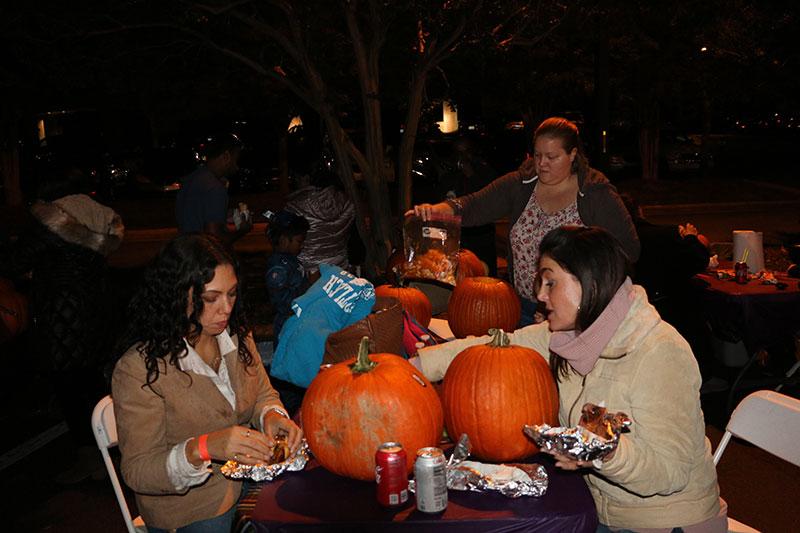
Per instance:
x=650, y=118
x=9, y=168
x=405, y=153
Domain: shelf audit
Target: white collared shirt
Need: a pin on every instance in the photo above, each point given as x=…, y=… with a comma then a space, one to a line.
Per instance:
x=182, y=473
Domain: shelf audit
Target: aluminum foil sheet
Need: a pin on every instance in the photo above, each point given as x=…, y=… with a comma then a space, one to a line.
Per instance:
x=593, y=438
x=513, y=480
x=265, y=472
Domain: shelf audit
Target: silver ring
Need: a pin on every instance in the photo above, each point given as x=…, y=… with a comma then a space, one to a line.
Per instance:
x=234, y=457
x=247, y=434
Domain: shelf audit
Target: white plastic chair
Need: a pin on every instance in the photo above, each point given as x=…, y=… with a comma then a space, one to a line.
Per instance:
x=769, y=420
x=104, y=426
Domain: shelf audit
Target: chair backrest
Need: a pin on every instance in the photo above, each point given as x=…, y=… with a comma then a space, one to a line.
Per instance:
x=104, y=425
x=768, y=419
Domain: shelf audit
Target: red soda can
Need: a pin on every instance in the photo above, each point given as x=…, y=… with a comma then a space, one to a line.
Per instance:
x=391, y=474
x=741, y=272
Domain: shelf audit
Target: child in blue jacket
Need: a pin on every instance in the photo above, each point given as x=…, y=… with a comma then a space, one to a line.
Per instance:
x=285, y=277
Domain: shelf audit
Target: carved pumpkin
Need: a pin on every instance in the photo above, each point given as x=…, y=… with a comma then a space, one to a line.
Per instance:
x=13, y=311
x=352, y=407
x=469, y=265
x=481, y=303
x=491, y=390
x=414, y=301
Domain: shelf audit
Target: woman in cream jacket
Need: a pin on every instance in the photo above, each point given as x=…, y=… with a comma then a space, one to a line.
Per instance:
x=606, y=343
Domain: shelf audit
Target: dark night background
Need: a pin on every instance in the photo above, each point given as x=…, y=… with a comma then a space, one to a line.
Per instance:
x=698, y=100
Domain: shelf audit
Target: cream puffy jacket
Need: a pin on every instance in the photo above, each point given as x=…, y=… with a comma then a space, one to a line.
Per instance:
x=662, y=474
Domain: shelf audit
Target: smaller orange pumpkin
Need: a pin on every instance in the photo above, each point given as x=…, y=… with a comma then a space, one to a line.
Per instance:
x=414, y=301
x=469, y=265
x=481, y=303
x=396, y=260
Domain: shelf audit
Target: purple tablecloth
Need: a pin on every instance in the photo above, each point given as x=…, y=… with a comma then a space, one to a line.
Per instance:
x=317, y=500
x=760, y=314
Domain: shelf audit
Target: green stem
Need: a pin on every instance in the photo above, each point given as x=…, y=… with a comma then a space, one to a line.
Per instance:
x=363, y=363
x=499, y=338
x=398, y=279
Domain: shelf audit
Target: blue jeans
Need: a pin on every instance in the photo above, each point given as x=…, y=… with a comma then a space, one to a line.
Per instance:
x=218, y=524
x=528, y=310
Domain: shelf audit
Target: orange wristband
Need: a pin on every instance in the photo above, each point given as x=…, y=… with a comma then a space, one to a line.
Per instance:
x=202, y=448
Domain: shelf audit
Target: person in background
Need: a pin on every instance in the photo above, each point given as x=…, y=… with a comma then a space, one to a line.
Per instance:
x=321, y=200
x=670, y=258
x=555, y=187
x=66, y=249
x=469, y=172
x=202, y=202
x=608, y=346
x=285, y=277
x=189, y=392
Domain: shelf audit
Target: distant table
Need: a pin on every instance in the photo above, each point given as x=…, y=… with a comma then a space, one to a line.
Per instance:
x=317, y=500
x=761, y=314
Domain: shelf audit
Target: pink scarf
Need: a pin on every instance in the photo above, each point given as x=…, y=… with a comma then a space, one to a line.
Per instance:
x=582, y=348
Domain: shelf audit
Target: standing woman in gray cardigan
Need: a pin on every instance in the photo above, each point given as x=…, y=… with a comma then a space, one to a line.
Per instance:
x=554, y=188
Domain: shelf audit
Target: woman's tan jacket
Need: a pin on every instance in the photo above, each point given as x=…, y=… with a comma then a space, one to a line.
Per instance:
x=662, y=474
x=183, y=405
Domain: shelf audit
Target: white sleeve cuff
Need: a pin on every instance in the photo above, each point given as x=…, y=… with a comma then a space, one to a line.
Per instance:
x=181, y=472
x=267, y=410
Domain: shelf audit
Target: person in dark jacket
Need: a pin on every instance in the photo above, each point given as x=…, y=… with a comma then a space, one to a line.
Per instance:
x=670, y=258
x=554, y=188
x=66, y=249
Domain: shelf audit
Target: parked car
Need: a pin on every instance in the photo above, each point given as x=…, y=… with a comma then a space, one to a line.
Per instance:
x=683, y=153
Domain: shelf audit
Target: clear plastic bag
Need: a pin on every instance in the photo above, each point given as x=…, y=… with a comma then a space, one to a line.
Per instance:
x=431, y=247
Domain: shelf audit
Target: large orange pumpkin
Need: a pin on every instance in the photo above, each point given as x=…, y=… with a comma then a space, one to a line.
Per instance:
x=469, y=265
x=414, y=301
x=481, y=303
x=352, y=407
x=491, y=390
x=13, y=310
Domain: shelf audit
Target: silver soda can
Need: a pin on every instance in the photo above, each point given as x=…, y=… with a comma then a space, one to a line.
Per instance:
x=431, y=480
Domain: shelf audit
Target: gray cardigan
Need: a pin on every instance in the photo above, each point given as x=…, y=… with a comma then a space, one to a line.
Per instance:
x=599, y=204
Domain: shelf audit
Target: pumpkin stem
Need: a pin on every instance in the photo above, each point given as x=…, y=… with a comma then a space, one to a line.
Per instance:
x=499, y=338
x=398, y=278
x=363, y=363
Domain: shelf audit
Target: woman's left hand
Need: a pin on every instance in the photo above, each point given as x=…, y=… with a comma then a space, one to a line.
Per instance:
x=565, y=462
x=277, y=424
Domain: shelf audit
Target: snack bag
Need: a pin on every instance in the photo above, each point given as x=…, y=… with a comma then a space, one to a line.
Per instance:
x=431, y=247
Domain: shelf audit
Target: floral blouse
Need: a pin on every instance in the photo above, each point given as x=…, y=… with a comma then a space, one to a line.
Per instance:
x=526, y=235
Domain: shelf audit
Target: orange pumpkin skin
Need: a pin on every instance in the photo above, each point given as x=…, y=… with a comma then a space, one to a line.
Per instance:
x=414, y=301
x=481, y=303
x=468, y=265
x=397, y=259
x=490, y=392
x=14, y=311
x=346, y=416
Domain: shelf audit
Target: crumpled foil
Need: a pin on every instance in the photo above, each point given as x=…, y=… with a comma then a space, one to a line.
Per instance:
x=578, y=441
x=265, y=472
x=512, y=480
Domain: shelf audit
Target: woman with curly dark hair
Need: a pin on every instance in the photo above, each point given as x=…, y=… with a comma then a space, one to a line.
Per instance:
x=189, y=393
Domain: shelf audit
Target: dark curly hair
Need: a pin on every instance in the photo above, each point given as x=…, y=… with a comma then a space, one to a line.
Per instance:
x=158, y=320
